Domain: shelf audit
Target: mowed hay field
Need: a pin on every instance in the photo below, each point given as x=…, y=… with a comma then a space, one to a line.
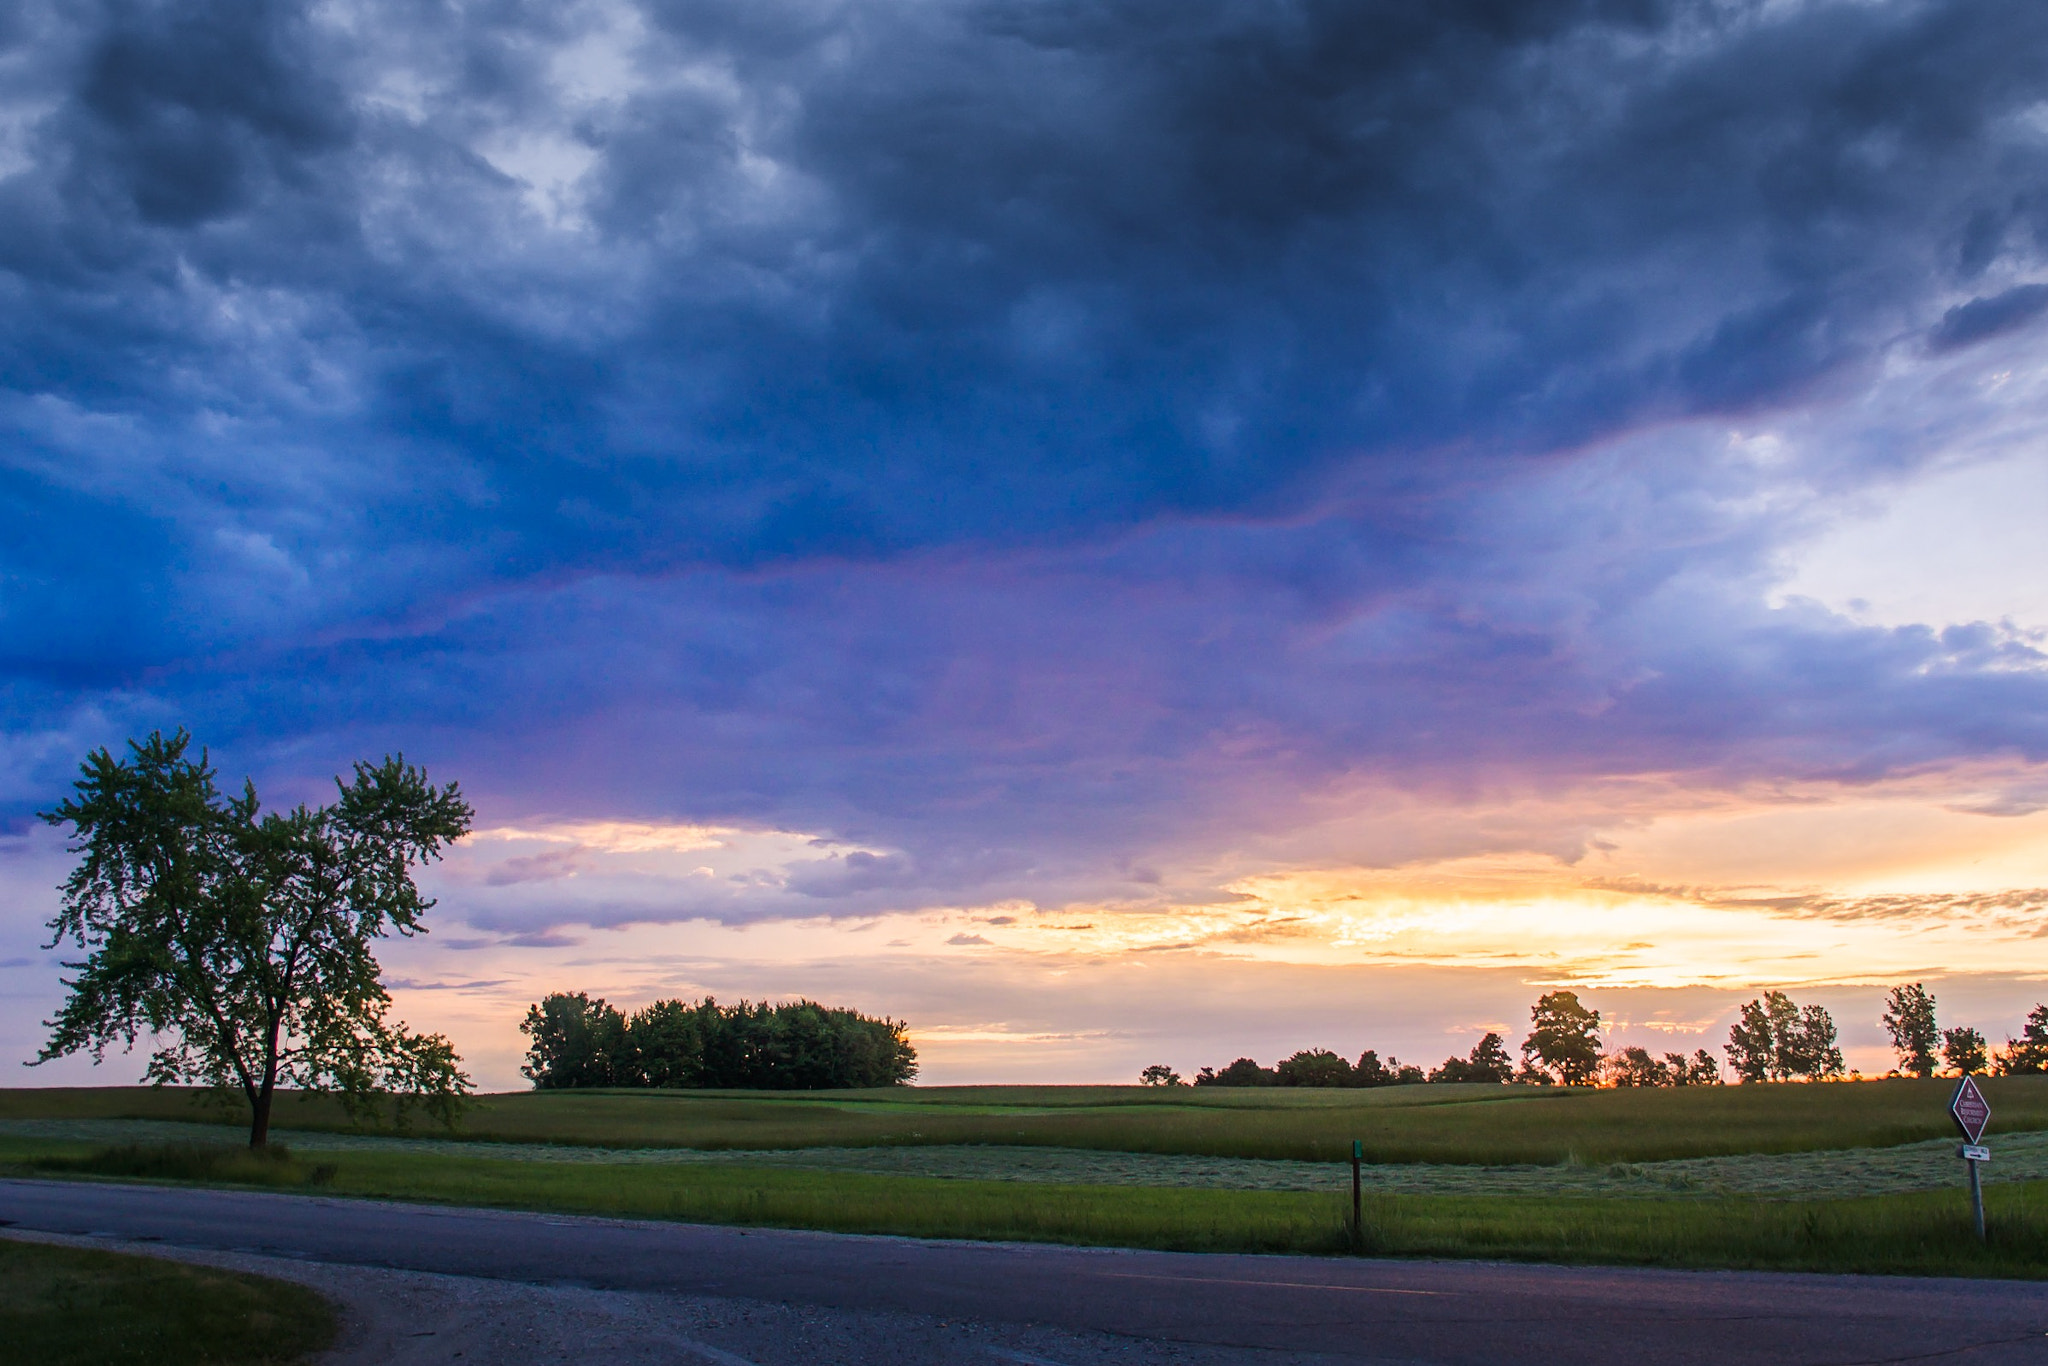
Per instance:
x=1486, y=1125
x=1925, y=1233
x=621, y=1154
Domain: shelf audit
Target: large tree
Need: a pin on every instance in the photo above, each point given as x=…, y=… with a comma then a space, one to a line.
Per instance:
x=1909, y=1019
x=1776, y=1039
x=1314, y=1067
x=2029, y=1052
x=1962, y=1048
x=239, y=940
x=1565, y=1038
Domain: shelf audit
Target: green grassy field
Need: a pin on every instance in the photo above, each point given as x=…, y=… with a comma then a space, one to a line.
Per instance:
x=1924, y=1233
x=63, y=1306
x=1488, y=1125
x=1780, y=1176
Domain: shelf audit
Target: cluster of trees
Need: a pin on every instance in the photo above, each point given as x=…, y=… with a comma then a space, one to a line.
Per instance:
x=1488, y=1061
x=1637, y=1067
x=1311, y=1067
x=577, y=1041
x=1909, y=1019
x=1563, y=1047
x=1773, y=1039
x=2029, y=1052
x=1776, y=1040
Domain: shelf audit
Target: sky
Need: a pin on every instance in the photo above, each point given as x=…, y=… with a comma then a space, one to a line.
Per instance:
x=1115, y=532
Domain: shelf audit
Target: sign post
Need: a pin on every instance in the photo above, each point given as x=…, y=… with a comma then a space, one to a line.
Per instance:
x=1971, y=1113
x=1357, y=1198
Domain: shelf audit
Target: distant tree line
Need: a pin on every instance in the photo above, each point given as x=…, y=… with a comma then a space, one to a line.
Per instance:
x=576, y=1041
x=1563, y=1047
x=1909, y=1019
x=1774, y=1038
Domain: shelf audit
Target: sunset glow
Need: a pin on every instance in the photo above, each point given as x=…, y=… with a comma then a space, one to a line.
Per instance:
x=1114, y=539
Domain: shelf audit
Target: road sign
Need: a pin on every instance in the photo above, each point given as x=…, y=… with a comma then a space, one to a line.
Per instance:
x=1970, y=1110
x=1972, y=1152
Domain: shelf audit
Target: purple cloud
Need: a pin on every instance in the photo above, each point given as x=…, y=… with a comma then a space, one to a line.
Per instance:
x=1035, y=448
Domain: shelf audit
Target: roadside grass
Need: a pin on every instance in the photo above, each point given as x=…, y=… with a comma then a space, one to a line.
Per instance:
x=65, y=1306
x=215, y=1163
x=1487, y=1125
x=1925, y=1233
x=1922, y=1233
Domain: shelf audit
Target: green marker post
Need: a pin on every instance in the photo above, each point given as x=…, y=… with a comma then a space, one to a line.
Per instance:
x=1357, y=1197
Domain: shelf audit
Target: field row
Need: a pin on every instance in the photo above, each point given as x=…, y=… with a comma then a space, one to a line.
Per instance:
x=1920, y=1233
x=1443, y=1124
x=1927, y=1166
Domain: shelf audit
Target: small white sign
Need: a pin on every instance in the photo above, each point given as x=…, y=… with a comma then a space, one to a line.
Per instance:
x=1974, y=1153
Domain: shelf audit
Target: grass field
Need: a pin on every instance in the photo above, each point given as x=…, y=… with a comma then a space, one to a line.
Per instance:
x=62, y=1306
x=1925, y=1233
x=1773, y=1176
x=1486, y=1125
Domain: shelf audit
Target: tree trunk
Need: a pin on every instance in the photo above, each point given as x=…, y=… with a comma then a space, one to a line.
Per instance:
x=259, y=1103
x=259, y=1116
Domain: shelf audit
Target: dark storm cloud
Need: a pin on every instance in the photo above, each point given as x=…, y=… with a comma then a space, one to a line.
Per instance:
x=863, y=277
x=1981, y=319
x=1013, y=434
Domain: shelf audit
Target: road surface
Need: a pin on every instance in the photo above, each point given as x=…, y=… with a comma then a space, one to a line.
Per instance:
x=1159, y=1306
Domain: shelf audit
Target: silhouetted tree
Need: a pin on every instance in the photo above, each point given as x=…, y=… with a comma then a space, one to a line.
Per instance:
x=1775, y=1040
x=2027, y=1054
x=1565, y=1039
x=1488, y=1062
x=240, y=940
x=664, y=1044
x=1812, y=1051
x=1370, y=1071
x=1314, y=1067
x=794, y=1046
x=1633, y=1066
x=577, y=1042
x=1752, y=1047
x=1962, y=1048
x=1243, y=1072
x=1909, y=1019
x=1636, y=1067
x=1159, y=1074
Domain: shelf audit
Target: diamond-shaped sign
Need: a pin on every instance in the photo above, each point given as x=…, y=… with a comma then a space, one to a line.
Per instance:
x=1970, y=1109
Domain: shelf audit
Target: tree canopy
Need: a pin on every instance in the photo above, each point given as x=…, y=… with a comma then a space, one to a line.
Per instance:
x=577, y=1041
x=240, y=940
x=1909, y=1019
x=2027, y=1054
x=1635, y=1066
x=1962, y=1048
x=1565, y=1038
x=1775, y=1039
x=1488, y=1062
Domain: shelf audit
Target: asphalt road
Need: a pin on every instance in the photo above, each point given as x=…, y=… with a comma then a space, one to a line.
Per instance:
x=1243, y=1307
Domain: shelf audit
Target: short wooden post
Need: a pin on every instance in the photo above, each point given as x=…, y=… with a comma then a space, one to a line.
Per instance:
x=1358, y=1199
